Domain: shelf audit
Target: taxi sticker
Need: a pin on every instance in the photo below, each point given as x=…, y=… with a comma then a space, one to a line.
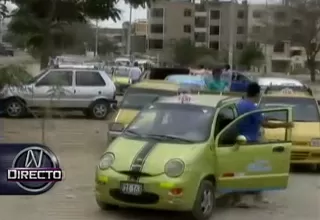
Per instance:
x=287, y=91
x=259, y=166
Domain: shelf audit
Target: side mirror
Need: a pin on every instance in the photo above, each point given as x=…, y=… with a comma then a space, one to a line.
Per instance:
x=116, y=127
x=240, y=140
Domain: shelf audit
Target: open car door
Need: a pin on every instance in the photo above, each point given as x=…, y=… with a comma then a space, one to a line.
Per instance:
x=252, y=166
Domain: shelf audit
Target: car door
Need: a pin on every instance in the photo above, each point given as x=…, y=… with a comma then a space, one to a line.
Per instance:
x=89, y=87
x=53, y=89
x=256, y=166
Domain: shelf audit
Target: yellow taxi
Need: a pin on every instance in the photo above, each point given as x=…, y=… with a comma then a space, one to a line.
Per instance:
x=181, y=153
x=137, y=96
x=306, y=117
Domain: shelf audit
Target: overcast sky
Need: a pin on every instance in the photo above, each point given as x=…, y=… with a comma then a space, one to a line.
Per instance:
x=140, y=13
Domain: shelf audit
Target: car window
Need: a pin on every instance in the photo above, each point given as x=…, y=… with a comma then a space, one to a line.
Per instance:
x=225, y=117
x=303, y=109
x=241, y=78
x=89, y=78
x=182, y=122
x=55, y=77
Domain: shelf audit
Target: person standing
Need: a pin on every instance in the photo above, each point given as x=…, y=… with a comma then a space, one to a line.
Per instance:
x=135, y=73
x=226, y=77
x=250, y=128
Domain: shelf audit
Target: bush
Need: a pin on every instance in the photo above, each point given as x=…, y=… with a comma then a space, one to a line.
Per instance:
x=13, y=75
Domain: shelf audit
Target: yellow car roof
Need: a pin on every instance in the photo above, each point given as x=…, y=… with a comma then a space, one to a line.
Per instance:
x=157, y=84
x=201, y=99
x=296, y=94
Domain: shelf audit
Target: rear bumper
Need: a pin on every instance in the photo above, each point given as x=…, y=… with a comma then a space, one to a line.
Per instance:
x=122, y=88
x=305, y=155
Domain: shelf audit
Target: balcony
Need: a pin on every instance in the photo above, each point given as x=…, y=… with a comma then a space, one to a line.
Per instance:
x=201, y=44
x=201, y=14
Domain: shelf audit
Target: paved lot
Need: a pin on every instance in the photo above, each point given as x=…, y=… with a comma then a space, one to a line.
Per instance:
x=79, y=143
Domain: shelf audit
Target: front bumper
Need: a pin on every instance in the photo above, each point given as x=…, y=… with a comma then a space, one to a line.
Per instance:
x=305, y=155
x=157, y=192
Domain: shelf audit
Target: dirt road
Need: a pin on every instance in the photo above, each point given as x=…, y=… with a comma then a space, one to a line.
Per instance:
x=79, y=143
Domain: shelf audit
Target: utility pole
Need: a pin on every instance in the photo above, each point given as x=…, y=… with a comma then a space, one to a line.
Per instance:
x=231, y=32
x=129, y=33
x=266, y=55
x=96, y=39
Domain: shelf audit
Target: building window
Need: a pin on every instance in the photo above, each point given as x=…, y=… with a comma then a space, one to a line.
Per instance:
x=156, y=28
x=278, y=47
x=280, y=16
x=214, y=30
x=214, y=14
x=157, y=12
x=200, y=37
x=239, y=45
x=256, y=29
x=187, y=28
x=200, y=7
x=240, y=14
x=155, y=44
x=187, y=12
x=256, y=14
x=214, y=45
x=240, y=30
x=200, y=22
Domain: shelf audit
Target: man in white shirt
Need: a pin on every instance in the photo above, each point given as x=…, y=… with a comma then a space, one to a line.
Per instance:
x=135, y=73
x=226, y=76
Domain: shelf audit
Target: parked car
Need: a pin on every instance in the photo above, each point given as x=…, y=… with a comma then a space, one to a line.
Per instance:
x=264, y=82
x=87, y=90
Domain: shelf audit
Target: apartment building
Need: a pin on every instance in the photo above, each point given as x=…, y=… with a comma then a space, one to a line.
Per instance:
x=138, y=36
x=212, y=24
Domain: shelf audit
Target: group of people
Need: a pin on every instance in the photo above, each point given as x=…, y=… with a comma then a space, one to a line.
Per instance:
x=217, y=79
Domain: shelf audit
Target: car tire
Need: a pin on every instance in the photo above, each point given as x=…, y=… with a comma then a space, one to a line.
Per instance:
x=99, y=109
x=204, y=203
x=14, y=108
x=106, y=206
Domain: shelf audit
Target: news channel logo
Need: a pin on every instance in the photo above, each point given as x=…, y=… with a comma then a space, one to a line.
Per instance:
x=35, y=169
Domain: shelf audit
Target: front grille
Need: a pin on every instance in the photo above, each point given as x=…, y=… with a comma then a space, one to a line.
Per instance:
x=144, y=198
x=134, y=173
x=299, y=155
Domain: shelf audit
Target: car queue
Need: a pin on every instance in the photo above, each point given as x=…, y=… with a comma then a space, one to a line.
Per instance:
x=182, y=152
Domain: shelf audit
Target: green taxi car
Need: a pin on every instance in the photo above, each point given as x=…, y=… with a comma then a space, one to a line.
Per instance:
x=182, y=153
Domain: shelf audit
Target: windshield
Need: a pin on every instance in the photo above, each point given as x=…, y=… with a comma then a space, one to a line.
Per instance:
x=173, y=122
x=304, y=109
x=35, y=79
x=137, y=98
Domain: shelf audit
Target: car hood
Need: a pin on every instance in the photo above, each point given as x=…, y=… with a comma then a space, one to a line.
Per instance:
x=153, y=155
x=302, y=132
x=121, y=79
x=125, y=116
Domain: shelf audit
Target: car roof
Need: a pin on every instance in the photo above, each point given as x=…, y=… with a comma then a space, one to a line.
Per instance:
x=75, y=68
x=157, y=84
x=203, y=100
x=266, y=81
x=288, y=91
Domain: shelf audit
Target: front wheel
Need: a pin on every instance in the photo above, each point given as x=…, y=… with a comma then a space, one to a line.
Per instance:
x=14, y=108
x=99, y=109
x=205, y=203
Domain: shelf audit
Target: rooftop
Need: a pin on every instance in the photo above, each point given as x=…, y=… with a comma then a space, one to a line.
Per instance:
x=157, y=84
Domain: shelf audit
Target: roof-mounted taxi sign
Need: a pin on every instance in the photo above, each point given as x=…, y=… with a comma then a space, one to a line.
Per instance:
x=184, y=98
x=288, y=90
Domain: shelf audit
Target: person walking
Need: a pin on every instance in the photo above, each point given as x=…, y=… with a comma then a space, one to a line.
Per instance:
x=135, y=73
x=226, y=76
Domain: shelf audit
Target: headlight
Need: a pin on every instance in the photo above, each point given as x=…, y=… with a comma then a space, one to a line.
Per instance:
x=106, y=161
x=174, y=168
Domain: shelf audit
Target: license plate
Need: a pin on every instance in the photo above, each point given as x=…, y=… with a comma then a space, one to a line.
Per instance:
x=131, y=188
x=315, y=142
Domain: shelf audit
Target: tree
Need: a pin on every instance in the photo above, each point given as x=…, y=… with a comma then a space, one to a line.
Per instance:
x=300, y=27
x=250, y=56
x=44, y=21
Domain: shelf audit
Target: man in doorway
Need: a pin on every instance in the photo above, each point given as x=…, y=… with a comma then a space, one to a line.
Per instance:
x=135, y=73
x=250, y=128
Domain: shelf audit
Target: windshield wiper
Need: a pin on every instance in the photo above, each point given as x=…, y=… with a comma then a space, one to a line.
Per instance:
x=169, y=137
